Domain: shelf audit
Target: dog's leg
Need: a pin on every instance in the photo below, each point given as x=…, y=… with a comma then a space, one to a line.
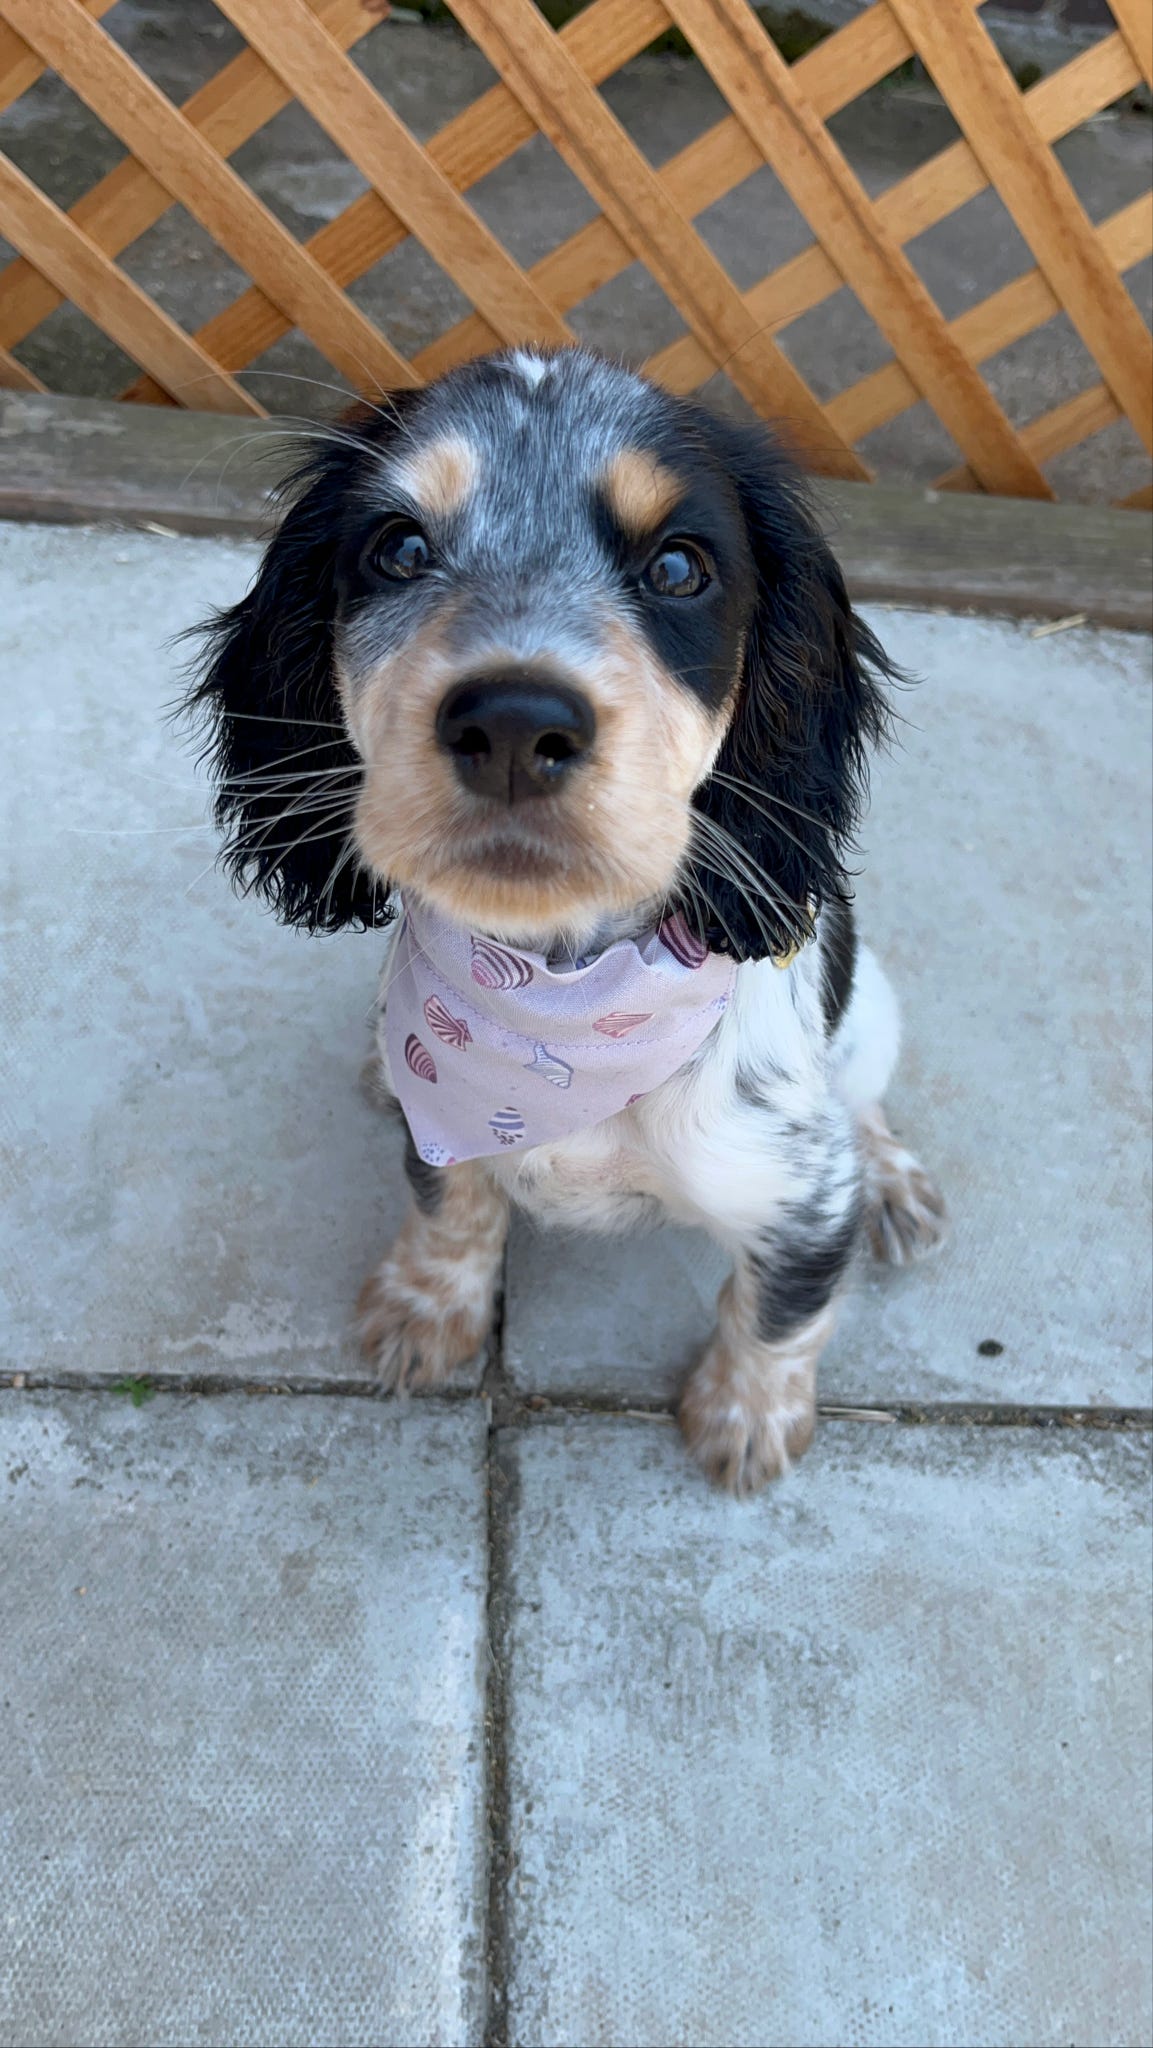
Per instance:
x=904, y=1210
x=428, y=1307
x=749, y=1408
x=905, y=1215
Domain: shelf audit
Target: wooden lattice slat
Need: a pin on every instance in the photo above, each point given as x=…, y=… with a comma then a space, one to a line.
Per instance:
x=180, y=158
x=466, y=149
x=982, y=331
x=20, y=67
x=14, y=376
x=299, y=49
x=125, y=204
x=793, y=140
x=714, y=164
x=920, y=200
x=83, y=273
x=593, y=143
x=1135, y=21
x=973, y=80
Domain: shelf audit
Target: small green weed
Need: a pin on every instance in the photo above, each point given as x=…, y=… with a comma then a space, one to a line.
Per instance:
x=137, y=1387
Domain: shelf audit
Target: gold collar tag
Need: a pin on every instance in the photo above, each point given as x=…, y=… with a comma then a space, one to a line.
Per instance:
x=787, y=958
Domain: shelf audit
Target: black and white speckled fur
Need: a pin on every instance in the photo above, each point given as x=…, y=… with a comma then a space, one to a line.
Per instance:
x=772, y=1137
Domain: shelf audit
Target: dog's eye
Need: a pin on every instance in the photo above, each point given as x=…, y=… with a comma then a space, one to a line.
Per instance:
x=677, y=571
x=401, y=552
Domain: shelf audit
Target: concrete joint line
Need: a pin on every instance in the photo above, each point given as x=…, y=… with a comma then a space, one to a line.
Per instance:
x=501, y=1484
x=509, y=1409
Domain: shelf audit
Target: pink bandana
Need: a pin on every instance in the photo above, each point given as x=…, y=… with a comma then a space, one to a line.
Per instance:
x=492, y=1049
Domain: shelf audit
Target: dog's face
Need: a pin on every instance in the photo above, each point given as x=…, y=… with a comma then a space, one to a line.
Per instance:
x=538, y=644
x=544, y=646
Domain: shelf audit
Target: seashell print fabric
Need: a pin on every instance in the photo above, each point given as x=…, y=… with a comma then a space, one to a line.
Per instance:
x=507, y=1126
x=682, y=943
x=449, y=1029
x=550, y=1068
x=418, y=1059
x=619, y=1023
x=527, y=1053
x=496, y=967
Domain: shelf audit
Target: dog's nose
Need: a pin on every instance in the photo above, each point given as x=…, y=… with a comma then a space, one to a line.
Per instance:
x=514, y=736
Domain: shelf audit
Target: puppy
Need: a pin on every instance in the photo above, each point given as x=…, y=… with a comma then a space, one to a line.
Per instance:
x=556, y=670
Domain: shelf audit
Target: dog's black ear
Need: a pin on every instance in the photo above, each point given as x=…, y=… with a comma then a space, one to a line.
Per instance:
x=286, y=775
x=791, y=778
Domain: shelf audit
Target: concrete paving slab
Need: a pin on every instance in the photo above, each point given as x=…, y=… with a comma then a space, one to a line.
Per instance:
x=241, y=1776
x=194, y=1182
x=1006, y=885
x=864, y=1762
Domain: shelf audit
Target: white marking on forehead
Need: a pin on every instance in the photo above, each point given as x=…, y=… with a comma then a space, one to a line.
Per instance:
x=532, y=368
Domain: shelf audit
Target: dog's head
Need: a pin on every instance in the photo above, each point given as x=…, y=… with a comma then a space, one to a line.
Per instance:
x=542, y=645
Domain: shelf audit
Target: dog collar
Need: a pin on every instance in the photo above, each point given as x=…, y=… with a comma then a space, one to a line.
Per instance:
x=492, y=1049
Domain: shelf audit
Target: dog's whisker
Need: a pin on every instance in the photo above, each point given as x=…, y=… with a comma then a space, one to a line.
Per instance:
x=265, y=781
x=314, y=812
x=347, y=854
x=136, y=831
x=743, y=871
x=697, y=889
x=205, y=870
x=270, y=718
x=298, y=800
x=327, y=804
x=389, y=411
x=754, y=795
x=729, y=857
x=322, y=812
x=776, y=823
x=303, y=753
x=322, y=779
x=714, y=862
x=296, y=429
x=736, y=850
x=711, y=861
x=283, y=848
x=315, y=772
x=731, y=860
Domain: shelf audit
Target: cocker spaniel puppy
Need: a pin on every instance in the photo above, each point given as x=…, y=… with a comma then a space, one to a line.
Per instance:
x=557, y=671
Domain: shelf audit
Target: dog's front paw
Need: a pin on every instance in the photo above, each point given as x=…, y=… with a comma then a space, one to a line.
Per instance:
x=905, y=1210
x=741, y=1432
x=417, y=1330
x=906, y=1214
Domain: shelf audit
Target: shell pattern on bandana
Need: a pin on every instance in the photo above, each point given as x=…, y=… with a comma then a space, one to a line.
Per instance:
x=492, y=1049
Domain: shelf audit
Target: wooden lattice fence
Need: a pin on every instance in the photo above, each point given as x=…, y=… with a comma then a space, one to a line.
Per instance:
x=298, y=49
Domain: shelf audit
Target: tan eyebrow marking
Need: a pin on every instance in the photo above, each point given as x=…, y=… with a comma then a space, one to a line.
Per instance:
x=441, y=475
x=640, y=490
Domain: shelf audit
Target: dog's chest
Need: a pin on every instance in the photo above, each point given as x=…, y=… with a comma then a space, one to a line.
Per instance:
x=726, y=1140
x=603, y=1178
